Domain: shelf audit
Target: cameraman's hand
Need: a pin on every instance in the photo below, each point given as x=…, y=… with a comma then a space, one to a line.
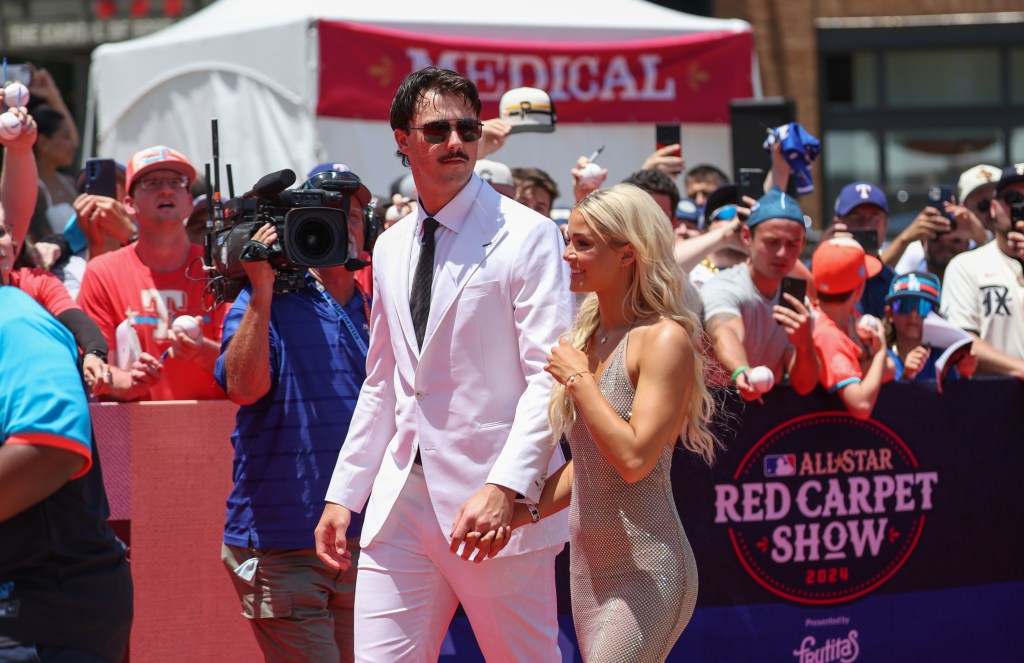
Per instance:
x=261, y=274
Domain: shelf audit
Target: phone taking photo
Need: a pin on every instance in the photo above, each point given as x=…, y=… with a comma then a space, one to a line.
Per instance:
x=668, y=134
x=101, y=177
x=750, y=183
x=19, y=72
x=792, y=286
x=867, y=238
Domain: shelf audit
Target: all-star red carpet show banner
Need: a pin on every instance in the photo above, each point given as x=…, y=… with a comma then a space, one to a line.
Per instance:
x=678, y=79
x=819, y=537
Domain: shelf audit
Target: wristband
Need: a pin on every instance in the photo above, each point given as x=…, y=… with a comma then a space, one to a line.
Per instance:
x=739, y=370
x=99, y=353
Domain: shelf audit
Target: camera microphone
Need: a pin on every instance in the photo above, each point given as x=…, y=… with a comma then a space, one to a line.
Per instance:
x=269, y=186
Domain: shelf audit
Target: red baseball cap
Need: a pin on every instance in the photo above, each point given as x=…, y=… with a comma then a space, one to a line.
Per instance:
x=839, y=265
x=158, y=157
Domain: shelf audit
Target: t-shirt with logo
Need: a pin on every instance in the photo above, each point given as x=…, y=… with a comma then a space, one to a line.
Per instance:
x=117, y=286
x=983, y=292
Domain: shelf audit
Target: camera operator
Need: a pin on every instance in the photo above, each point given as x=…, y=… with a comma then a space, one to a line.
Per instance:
x=294, y=361
x=982, y=291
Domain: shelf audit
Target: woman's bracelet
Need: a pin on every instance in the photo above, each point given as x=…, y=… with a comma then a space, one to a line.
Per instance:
x=572, y=378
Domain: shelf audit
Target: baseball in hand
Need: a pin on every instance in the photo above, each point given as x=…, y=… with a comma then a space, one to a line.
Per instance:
x=868, y=321
x=591, y=175
x=16, y=94
x=187, y=325
x=761, y=378
x=10, y=126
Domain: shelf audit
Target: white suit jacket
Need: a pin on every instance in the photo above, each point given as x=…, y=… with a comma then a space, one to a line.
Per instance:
x=475, y=399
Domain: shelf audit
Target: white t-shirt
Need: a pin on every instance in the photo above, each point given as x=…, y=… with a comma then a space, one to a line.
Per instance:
x=983, y=292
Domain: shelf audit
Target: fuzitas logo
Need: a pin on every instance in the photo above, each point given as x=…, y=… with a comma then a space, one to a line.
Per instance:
x=825, y=507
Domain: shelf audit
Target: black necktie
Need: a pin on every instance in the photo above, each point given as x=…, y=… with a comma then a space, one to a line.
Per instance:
x=419, y=302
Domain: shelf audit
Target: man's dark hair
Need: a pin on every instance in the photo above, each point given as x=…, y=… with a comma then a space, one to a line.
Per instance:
x=653, y=180
x=418, y=85
x=707, y=173
x=526, y=177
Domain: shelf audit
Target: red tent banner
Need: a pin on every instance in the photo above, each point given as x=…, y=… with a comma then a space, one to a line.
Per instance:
x=690, y=78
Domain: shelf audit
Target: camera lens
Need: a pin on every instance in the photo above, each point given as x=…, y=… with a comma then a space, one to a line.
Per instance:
x=315, y=238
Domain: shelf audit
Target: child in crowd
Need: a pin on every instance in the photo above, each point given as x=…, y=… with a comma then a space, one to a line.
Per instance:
x=851, y=350
x=912, y=297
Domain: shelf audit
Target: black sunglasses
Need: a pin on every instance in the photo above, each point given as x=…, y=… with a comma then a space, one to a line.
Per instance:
x=469, y=130
x=1013, y=197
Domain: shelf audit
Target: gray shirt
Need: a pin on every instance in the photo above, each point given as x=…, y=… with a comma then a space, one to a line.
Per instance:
x=733, y=292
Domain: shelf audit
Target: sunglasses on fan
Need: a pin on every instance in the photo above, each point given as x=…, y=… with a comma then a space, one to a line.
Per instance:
x=469, y=130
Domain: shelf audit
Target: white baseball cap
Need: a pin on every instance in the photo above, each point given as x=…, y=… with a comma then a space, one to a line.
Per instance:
x=528, y=109
x=975, y=177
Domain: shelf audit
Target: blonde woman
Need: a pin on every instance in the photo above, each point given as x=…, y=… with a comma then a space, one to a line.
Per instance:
x=628, y=387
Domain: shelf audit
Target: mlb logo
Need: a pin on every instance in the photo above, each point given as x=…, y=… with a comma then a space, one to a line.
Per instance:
x=780, y=465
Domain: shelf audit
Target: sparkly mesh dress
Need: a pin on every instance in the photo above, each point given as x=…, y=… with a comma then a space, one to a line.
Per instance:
x=632, y=573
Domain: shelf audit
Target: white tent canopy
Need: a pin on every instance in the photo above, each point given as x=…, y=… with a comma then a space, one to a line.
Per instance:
x=253, y=65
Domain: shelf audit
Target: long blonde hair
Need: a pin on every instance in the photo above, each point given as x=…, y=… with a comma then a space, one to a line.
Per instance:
x=622, y=215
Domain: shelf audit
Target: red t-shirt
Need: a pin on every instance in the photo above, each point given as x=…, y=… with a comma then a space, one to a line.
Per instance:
x=838, y=354
x=43, y=287
x=117, y=285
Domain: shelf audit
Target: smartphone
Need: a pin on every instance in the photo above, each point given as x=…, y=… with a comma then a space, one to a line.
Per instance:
x=749, y=182
x=101, y=177
x=792, y=286
x=937, y=195
x=867, y=238
x=668, y=134
x=19, y=72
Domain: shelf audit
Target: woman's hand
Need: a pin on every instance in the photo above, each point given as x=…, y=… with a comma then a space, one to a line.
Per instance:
x=565, y=360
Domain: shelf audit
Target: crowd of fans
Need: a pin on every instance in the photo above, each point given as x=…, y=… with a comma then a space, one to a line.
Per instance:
x=119, y=272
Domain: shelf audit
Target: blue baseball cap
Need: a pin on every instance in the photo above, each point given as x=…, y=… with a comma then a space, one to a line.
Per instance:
x=687, y=210
x=860, y=193
x=915, y=284
x=776, y=204
x=336, y=167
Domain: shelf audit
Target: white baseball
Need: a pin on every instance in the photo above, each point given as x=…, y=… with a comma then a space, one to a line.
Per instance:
x=187, y=325
x=761, y=378
x=591, y=175
x=10, y=126
x=16, y=94
x=868, y=321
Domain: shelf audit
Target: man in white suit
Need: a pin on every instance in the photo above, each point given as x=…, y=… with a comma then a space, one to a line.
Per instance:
x=458, y=341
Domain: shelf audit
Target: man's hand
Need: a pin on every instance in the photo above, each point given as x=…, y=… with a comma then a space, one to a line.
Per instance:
x=99, y=217
x=96, y=374
x=27, y=138
x=926, y=225
x=668, y=160
x=583, y=185
x=495, y=133
x=330, y=537
x=488, y=510
x=1015, y=240
x=796, y=322
x=45, y=254
x=967, y=365
x=261, y=274
x=183, y=346
x=747, y=391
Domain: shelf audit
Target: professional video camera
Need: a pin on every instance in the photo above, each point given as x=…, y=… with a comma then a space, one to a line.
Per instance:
x=311, y=225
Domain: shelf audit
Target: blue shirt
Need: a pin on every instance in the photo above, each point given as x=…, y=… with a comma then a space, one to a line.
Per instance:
x=286, y=444
x=875, y=290
x=41, y=395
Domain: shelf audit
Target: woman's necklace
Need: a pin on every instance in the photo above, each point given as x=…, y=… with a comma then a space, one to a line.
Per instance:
x=603, y=337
